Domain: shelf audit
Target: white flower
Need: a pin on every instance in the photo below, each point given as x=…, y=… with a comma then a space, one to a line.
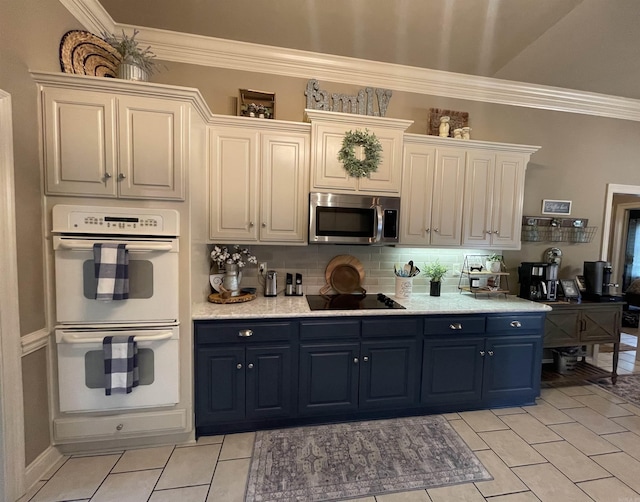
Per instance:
x=240, y=257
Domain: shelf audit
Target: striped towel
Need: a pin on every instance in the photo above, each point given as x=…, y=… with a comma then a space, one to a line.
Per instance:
x=111, y=270
x=120, y=364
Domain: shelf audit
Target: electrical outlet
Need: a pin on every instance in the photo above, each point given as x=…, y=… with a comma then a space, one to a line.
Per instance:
x=262, y=267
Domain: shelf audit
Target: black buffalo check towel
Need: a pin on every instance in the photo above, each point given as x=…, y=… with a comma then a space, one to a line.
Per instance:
x=120, y=364
x=112, y=271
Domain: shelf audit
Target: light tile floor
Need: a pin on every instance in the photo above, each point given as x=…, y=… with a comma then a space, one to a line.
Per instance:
x=578, y=443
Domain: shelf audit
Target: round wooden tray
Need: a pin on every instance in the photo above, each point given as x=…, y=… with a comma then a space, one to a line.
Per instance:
x=344, y=274
x=244, y=297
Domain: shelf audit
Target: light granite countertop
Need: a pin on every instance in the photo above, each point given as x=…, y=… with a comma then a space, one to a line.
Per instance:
x=418, y=304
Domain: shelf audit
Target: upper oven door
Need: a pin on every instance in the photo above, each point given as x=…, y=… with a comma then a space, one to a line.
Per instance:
x=153, y=282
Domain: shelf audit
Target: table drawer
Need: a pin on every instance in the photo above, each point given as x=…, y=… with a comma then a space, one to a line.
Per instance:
x=454, y=325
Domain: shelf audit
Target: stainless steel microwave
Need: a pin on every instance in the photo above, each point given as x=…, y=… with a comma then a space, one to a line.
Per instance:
x=353, y=219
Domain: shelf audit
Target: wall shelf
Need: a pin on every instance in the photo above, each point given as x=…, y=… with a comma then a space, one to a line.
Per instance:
x=546, y=229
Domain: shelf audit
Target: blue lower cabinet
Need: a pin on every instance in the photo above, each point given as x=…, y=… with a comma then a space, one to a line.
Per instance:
x=238, y=383
x=452, y=371
x=344, y=377
x=475, y=372
x=328, y=380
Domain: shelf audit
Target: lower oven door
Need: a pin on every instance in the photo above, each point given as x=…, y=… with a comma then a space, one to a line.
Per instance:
x=81, y=377
x=153, y=282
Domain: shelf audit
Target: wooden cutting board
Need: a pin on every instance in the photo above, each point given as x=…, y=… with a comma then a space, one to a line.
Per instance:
x=344, y=274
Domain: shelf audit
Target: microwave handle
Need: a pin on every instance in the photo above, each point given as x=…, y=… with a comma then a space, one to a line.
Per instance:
x=379, y=223
x=81, y=245
x=72, y=338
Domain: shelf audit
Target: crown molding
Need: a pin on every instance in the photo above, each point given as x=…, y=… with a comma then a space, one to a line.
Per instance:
x=356, y=119
x=469, y=144
x=234, y=55
x=91, y=15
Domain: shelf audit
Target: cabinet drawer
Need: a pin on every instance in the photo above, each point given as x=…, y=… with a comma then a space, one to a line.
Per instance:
x=329, y=329
x=515, y=323
x=243, y=332
x=454, y=325
x=390, y=327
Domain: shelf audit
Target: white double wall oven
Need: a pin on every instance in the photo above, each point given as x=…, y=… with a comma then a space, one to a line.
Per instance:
x=150, y=313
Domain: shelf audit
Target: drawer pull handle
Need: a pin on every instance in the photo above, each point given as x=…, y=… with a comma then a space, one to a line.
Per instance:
x=239, y=366
x=119, y=427
x=245, y=333
x=455, y=326
x=250, y=366
x=491, y=352
x=355, y=360
x=365, y=359
x=482, y=353
x=516, y=324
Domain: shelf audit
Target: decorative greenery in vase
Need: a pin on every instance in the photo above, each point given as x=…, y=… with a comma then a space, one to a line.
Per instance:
x=494, y=262
x=131, y=53
x=434, y=271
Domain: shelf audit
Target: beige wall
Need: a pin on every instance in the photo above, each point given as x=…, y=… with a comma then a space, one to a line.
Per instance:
x=30, y=33
x=580, y=154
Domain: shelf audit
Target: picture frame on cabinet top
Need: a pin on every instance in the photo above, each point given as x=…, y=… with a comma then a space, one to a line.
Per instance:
x=457, y=120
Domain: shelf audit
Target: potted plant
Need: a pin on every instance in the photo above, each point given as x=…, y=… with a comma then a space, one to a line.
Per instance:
x=494, y=263
x=435, y=271
x=137, y=63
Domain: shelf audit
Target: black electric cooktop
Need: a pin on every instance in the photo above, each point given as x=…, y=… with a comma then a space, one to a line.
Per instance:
x=351, y=302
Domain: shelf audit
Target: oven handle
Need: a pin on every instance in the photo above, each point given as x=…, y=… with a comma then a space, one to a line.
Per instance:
x=72, y=338
x=81, y=245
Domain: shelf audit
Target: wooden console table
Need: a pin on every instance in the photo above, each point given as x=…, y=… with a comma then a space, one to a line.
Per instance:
x=582, y=324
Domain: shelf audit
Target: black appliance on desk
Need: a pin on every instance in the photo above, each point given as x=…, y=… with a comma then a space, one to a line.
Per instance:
x=597, y=279
x=538, y=281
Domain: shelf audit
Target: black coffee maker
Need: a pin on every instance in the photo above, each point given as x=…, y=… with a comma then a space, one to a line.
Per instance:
x=597, y=279
x=538, y=281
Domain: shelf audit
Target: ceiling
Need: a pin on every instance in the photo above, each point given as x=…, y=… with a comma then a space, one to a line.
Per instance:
x=587, y=45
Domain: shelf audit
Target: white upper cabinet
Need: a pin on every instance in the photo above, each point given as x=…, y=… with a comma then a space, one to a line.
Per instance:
x=432, y=189
x=459, y=192
x=327, y=134
x=113, y=138
x=494, y=194
x=259, y=182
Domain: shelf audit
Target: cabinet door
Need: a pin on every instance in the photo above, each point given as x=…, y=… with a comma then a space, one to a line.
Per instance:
x=417, y=185
x=234, y=185
x=79, y=142
x=285, y=205
x=601, y=324
x=220, y=385
x=446, y=208
x=328, y=378
x=478, y=199
x=152, y=156
x=452, y=370
x=388, y=374
x=562, y=328
x=269, y=382
x=512, y=369
x=508, y=196
x=329, y=172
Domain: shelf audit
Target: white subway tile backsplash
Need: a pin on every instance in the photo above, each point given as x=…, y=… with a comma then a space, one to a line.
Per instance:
x=378, y=261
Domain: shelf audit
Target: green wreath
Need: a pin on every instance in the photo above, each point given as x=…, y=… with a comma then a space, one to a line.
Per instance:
x=372, y=148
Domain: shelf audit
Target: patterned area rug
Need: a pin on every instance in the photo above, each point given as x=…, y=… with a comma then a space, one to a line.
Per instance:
x=348, y=460
x=627, y=387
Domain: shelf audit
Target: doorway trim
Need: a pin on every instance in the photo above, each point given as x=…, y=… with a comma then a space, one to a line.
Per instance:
x=12, y=454
x=608, y=211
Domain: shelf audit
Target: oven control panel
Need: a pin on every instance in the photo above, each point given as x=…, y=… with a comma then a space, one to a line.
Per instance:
x=102, y=220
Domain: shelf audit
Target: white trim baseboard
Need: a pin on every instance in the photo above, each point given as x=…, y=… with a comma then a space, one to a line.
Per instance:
x=235, y=55
x=43, y=467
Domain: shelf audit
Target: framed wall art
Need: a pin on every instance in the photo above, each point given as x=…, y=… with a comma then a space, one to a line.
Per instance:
x=551, y=206
x=457, y=120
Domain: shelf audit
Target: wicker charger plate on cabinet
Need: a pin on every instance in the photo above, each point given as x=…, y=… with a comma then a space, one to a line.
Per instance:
x=83, y=53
